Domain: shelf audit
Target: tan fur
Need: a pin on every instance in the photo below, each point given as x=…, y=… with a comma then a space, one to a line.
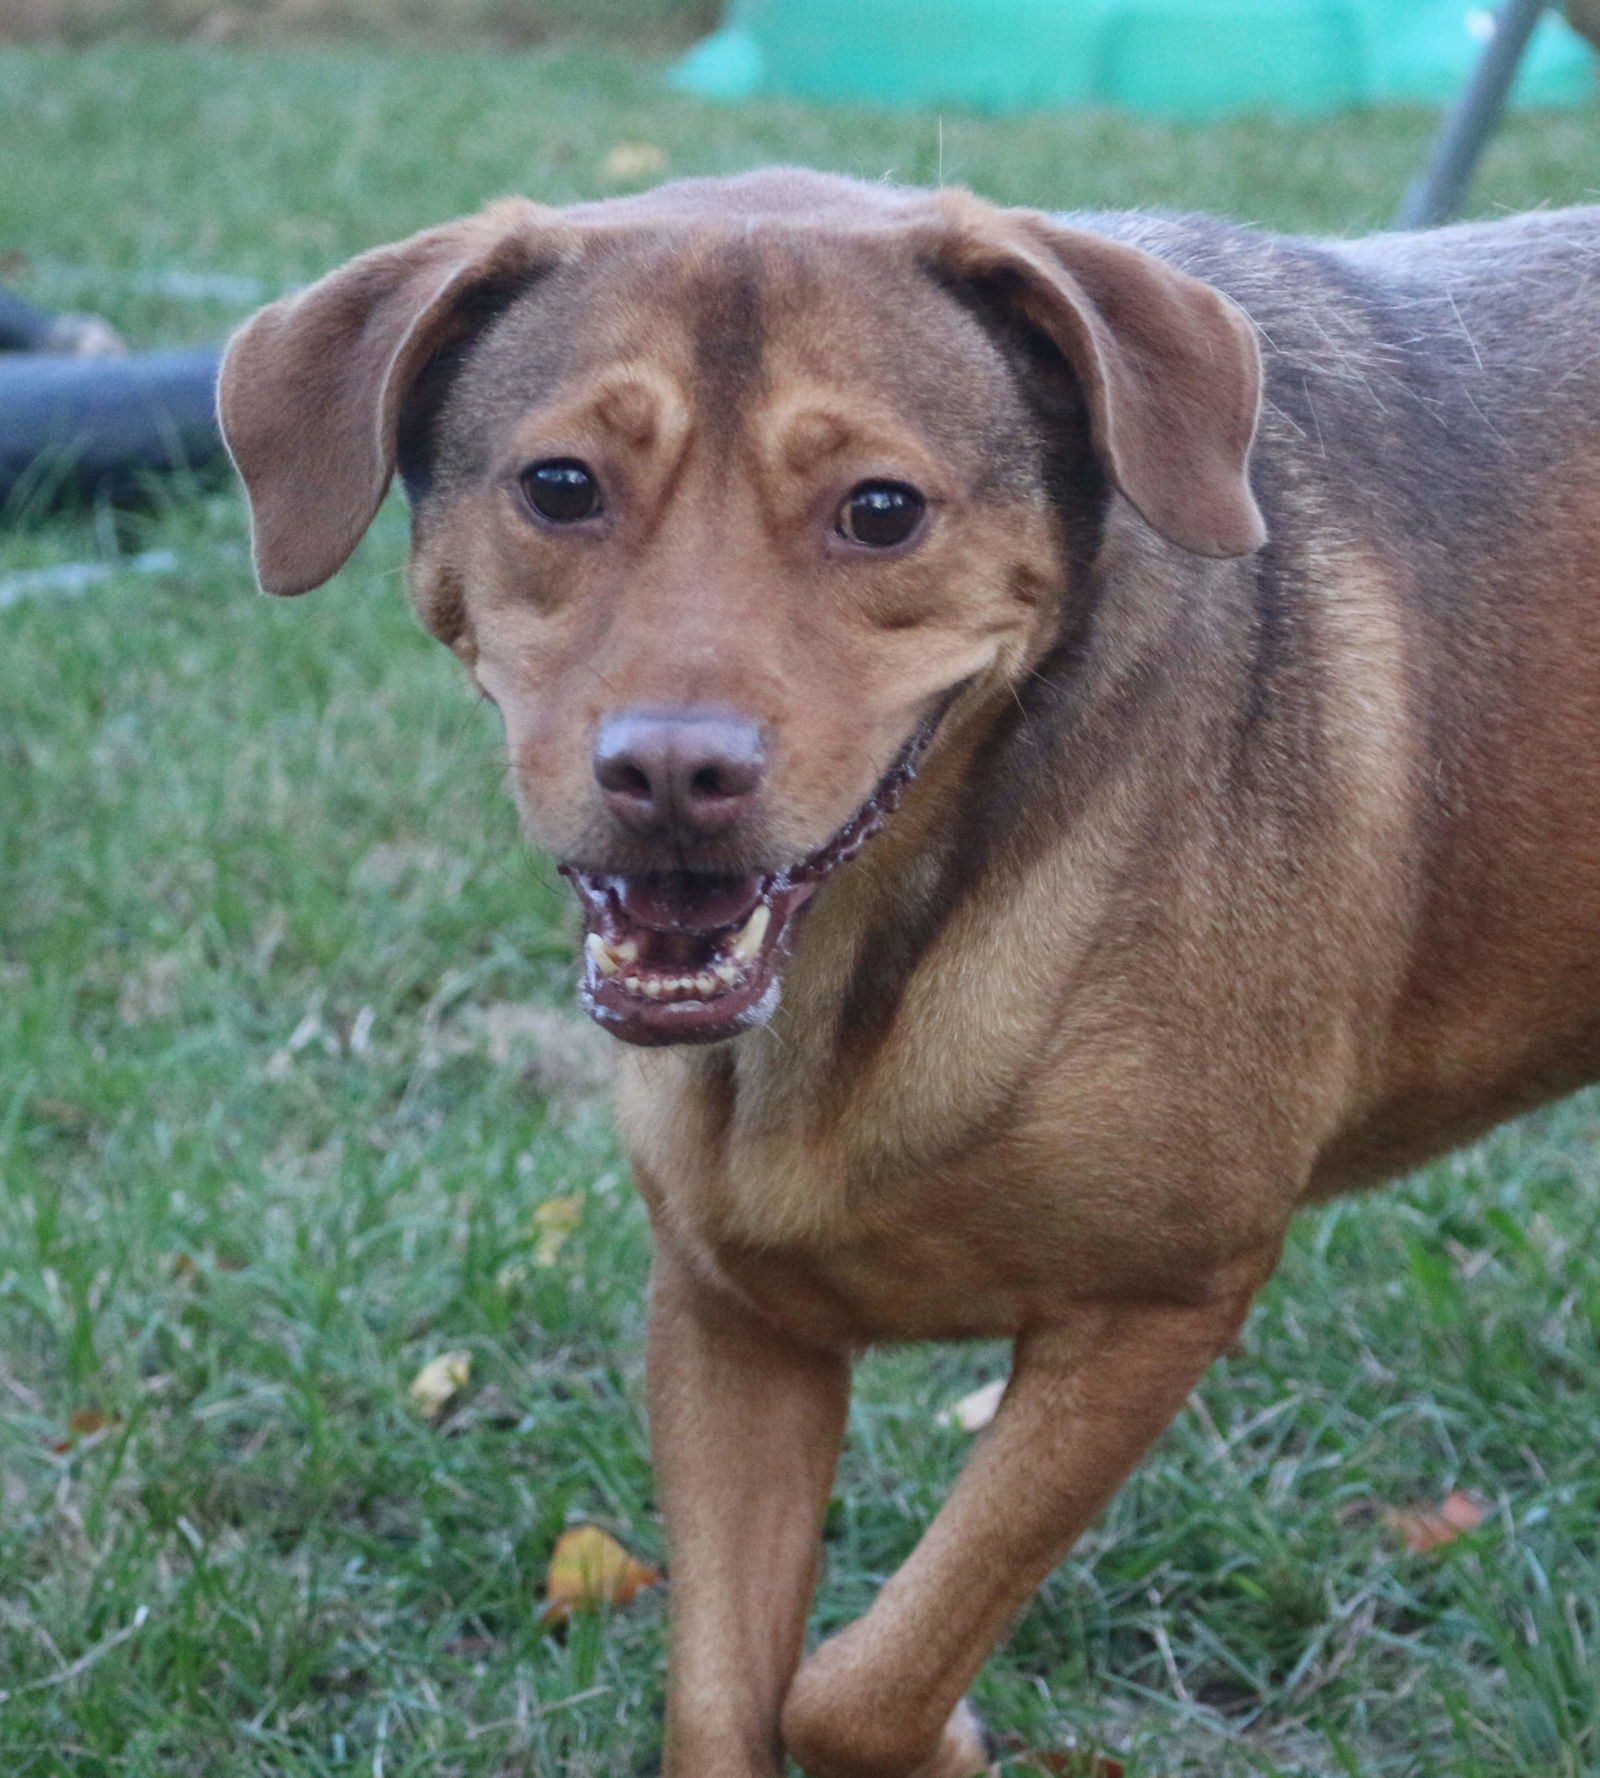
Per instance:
x=1226, y=883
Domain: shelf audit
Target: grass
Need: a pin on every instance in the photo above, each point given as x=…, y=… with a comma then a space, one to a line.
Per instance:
x=287, y=1065
x=509, y=23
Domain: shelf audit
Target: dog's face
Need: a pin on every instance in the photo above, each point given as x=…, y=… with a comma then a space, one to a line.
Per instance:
x=723, y=496
x=719, y=543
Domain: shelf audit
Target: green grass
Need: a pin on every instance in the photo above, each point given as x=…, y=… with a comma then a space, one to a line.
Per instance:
x=287, y=1064
x=648, y=24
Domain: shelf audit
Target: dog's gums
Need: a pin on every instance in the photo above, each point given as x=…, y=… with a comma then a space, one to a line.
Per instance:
x=690, y=957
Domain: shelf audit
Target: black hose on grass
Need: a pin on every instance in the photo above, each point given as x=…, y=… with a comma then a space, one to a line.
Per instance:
x=99, y=428
x=23, y=328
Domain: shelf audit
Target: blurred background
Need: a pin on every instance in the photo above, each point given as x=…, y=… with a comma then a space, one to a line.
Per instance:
x=320, y=1276
x=503, y=24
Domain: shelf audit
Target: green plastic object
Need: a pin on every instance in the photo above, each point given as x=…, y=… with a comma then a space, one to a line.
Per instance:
x=1189, y=59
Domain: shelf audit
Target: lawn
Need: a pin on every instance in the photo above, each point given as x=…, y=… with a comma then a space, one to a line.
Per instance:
x=288, y=1065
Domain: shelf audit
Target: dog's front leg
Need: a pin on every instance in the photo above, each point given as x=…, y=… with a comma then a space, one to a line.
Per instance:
x=745, y=1426
x=883, y=1698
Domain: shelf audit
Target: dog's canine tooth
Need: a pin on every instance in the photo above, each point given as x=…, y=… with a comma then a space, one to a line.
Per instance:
x=605, y=959
x=748, y=943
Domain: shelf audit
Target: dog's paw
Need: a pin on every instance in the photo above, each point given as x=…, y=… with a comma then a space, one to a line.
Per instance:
x=967, y=1751
x=832, y=1733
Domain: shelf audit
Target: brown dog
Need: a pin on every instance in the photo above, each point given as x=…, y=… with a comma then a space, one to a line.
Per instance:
x=1248, y=838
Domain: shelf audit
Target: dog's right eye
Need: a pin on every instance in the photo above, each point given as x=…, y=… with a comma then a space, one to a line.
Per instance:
x=562, y=490
x=881, y=514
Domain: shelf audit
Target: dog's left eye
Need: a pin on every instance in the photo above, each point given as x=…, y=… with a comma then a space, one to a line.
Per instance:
x=562, y=490
x=881, y=514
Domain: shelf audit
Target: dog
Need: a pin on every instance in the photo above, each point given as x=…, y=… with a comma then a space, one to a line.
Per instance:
x=1073, y=736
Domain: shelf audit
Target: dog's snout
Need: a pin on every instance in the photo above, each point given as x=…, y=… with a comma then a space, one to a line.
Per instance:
x=680, y=774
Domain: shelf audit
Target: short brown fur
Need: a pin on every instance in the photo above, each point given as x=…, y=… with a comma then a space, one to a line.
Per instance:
x=1250, y=861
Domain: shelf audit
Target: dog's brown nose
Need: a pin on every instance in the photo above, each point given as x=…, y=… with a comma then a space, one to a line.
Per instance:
x=687, y=774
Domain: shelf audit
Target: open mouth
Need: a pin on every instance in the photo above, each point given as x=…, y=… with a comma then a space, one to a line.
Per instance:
x=684, y=956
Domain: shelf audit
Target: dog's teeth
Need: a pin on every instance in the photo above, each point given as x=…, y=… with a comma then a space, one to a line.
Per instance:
x=748, y=944
x=604, y=960
x=631, y=983
x=706, y=983
x=726, y=973
x=653, y=986
x=626, y=952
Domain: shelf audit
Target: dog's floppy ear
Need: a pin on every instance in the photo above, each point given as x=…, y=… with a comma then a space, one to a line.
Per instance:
x=1169, y=366
x=311, y=388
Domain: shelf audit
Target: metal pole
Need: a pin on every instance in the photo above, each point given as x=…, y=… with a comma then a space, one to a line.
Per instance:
x=1439, y=194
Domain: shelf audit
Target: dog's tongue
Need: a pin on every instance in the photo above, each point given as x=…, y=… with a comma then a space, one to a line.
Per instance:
x=678, y=901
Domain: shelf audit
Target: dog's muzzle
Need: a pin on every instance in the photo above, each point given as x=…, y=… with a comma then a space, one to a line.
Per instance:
x=691, y=957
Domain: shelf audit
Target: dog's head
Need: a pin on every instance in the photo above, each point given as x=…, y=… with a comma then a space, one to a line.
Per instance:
x=723, y=495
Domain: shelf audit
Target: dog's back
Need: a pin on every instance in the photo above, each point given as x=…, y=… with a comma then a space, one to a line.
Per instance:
x=1430, y=445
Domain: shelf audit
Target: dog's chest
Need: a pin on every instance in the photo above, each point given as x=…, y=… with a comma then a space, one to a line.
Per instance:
x=843, y=1244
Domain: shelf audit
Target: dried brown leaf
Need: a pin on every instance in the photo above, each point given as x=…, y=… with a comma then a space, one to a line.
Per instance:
x=1062, y=1762
x=1421, y=1528
x=85, y=1426
x=1076, y=1763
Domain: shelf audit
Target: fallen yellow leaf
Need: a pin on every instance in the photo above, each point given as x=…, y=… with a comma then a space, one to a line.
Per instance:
x=589, y=1569
x=510, y=1275
x=438, y=1383
x=553, y=1221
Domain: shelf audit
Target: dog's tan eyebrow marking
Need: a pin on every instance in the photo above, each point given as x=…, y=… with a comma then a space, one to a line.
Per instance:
x=808, y=426
x=811, y=435
x=643, y=407
x=631, y=410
